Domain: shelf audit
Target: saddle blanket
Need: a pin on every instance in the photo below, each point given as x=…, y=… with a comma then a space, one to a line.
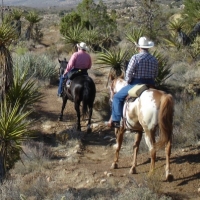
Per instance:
x=137, y=90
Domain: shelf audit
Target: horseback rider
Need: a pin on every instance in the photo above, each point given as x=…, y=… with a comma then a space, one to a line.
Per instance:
x=80, y=60
x=142, y=69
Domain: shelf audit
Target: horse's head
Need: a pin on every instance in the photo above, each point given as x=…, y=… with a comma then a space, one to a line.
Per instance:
x=63, y=65
x=116, y=85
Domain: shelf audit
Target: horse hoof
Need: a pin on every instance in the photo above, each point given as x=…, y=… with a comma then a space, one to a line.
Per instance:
x=60, y=119
x=89, y=130
x=169, y=178
x=114, y=166
x=132, y=171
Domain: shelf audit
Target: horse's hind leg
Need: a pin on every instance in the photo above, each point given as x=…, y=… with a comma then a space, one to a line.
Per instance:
x=138, y=137
x=118, y=147
x=169, y=176
x=78, y=113
x=150, y=141
x=89, y=120
x=63, y=107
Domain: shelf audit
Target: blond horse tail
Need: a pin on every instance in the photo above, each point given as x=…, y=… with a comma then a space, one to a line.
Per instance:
x=165, y=120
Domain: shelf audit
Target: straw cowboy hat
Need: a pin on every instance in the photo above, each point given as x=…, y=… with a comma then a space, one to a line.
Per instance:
x=144, y=43
x=83, y=46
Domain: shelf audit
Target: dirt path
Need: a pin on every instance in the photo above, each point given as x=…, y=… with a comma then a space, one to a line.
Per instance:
x=89, y=167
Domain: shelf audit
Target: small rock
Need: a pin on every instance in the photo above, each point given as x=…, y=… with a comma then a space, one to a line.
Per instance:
x=198, y=189
x=48, y=179
x=103, y=181
x=105, y=173
x=109, y=174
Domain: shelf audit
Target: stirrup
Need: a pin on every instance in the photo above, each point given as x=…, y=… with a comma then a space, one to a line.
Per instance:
x=68, y=83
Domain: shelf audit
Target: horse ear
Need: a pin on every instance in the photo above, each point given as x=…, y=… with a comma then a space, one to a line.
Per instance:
x=59, y=60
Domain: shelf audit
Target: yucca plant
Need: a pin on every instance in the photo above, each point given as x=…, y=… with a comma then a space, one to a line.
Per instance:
x=172, y=41
x=74, y=35
x=115, y=59
x=134, y=35
x=23, y=90
x=33, y=18
x=13, y=131
x=164, y=72
x=16, y=15
x=176, y=25
x=7, y=35
x=91, y=37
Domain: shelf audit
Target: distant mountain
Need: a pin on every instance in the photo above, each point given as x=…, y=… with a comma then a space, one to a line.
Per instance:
x=48, y=3
x=61, y=3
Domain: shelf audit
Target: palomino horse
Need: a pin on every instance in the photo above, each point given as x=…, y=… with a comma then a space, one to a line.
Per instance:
x=151, y=111
x=82, y=89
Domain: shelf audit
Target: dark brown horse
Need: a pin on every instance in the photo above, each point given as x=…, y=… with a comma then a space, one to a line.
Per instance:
x=82, y=90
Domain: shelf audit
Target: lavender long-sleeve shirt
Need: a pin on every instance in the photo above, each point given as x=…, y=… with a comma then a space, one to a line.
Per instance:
x=79, y=60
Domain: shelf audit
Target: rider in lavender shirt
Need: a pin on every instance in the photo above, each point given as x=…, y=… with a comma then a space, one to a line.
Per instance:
x=79, y=60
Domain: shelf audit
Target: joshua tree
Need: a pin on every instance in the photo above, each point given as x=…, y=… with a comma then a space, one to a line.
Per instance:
x=7, y=34
x=33, y=18
x=16, y=15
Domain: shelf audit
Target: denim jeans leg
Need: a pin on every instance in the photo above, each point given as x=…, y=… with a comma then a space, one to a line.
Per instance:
x=60, y=87
x=118, y=102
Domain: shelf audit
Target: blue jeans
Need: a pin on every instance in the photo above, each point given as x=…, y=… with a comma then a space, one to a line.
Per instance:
x=62, y=79
x=119, y=97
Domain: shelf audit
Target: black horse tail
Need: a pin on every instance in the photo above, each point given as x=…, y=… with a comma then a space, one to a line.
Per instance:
x=89, y=93
x=86, y=96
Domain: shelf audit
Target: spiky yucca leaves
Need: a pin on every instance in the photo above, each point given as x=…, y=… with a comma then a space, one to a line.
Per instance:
x=73, y=36
x=115, y=59
x=13, y=131
x=164, y=72
x=91, y=37
x=33, y=18
x=134, y=35
x=176, y=25
x=172, y=41
x=175, y=28
x=7, y=35
x=23, y=90
x=16, y=14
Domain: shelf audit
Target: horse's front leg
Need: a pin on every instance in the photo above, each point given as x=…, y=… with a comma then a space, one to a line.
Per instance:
x=118, y=147
x=78, y=113
x=138, y=137
x=64, y=98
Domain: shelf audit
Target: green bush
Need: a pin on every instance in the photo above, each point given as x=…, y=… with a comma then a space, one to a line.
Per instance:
x=40, y=67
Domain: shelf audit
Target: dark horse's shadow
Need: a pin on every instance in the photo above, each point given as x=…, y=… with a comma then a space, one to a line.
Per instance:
x=81, y=90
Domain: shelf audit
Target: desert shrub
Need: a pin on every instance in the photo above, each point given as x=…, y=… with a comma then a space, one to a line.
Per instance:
x=40, y=67
x=195, y=48
x=178, y=71
x=141, y=193
x=10, y=190
x=186, y=123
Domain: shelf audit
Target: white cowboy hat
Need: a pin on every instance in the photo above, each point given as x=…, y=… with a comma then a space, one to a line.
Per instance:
x=83, y=46
x=144, y=43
